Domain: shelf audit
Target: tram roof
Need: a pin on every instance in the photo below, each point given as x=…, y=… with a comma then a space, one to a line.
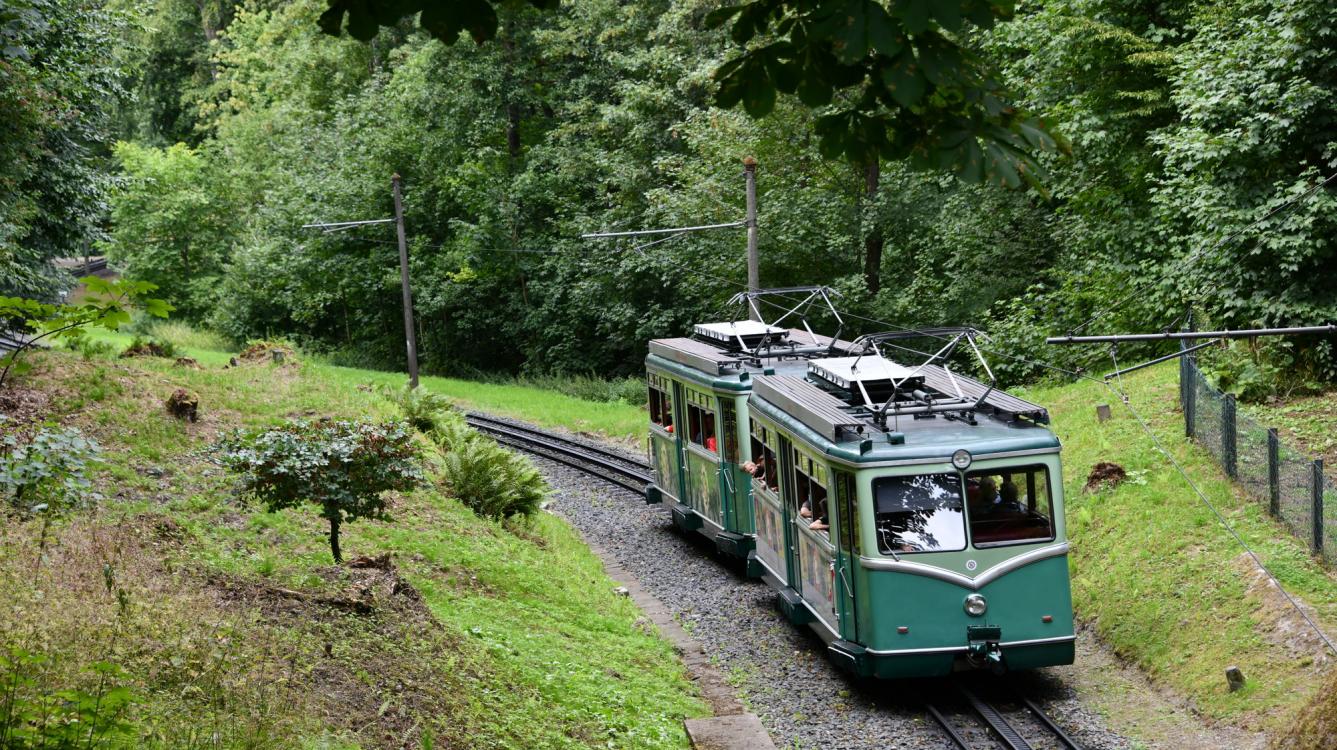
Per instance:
x=739, y=350
x=854, y=438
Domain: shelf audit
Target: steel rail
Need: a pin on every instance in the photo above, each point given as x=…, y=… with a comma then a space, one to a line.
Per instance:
x=1062, y=736
x=947, y=727
x=567, y=452
x=545, y=435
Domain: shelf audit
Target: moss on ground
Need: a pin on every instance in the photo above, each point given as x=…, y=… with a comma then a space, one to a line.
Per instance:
x=237, y=631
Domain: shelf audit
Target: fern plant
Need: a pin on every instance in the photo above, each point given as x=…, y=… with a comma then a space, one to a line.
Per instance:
x=491, y=480
x=421, y=407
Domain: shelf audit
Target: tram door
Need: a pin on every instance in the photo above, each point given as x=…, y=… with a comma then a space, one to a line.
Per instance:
x=789, y=496
x=847, y=552
x=679, y=442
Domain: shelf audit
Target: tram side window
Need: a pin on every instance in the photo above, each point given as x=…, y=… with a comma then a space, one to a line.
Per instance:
x=1009, y=506
x=701, y=425
x=763, y=461
x=811, y=497
x=661, y=408
x=922, y=513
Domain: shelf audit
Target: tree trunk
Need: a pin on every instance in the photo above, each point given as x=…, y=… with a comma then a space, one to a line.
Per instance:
x=334, y=538
x=872, y=243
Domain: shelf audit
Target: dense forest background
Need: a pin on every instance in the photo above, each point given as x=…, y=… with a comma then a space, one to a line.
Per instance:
x=191, y=139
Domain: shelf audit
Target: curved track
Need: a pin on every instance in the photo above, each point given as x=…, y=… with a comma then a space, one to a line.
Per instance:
x=979, y=724
x=605, y=464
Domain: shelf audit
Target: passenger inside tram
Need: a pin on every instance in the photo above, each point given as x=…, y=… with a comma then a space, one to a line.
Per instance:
x=1010, y=507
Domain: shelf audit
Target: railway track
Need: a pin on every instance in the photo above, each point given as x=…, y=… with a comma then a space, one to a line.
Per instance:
x=607, y=465
x=1023, y=725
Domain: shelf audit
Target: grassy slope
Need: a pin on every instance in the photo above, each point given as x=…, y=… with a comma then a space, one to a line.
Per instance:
x=615, y=420
x=529, y=646
x=1161, y=579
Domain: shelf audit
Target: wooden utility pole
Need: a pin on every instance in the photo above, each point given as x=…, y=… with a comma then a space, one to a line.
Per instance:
x=753, y=262
x=410, y=339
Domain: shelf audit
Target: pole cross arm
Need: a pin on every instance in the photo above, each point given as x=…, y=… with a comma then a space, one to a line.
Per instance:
x=1246, y=333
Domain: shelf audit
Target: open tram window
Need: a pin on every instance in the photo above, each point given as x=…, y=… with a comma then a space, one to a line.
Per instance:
x=923, y=513
x=810, y=493
x=701, y=421
x=763, y=466
x=1009, y=506
x=729, y=431
x=661, y=403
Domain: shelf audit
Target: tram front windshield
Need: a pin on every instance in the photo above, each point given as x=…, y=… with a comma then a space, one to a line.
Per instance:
x=922, y=513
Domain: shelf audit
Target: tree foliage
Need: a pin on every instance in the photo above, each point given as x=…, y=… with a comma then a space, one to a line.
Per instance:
x=59, y=82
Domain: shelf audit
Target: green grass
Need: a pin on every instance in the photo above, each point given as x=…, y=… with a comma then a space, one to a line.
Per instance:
x=527, y=646
x=1160, y=578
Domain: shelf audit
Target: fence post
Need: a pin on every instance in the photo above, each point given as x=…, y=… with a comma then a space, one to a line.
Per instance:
x=1316, y=482
x=1228, y=444
x=1273, y=473
x=1190, y=395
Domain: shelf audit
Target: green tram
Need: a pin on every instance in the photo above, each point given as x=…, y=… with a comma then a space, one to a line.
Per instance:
x=699, y=428
x=911, y=516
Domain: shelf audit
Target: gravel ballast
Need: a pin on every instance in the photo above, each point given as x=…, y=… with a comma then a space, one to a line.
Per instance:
x=780, y=671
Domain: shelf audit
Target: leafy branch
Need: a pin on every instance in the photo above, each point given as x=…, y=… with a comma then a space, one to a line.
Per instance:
x=107, y=305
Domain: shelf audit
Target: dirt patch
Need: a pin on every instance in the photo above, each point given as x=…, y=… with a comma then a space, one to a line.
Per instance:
x=1316, y=726
x=1277, y=620
x=23, y=407
x=380, y=666
x=1104, y=475
x=144, y=349
x=268, y=351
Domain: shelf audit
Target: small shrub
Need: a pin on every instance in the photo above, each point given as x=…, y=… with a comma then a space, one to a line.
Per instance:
x=490, y=480
x=421, y=407
x=32, y=715
x=49, y=472
x=342, y=467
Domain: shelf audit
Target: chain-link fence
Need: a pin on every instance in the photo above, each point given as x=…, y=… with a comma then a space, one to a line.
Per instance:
x=1288, y=480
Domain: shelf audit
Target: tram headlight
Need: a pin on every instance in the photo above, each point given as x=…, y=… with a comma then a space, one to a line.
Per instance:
x=976, y=605
x=961, y=459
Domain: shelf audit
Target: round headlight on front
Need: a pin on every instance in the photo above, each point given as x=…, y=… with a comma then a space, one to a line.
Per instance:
x=976, y=605
x=961, y=459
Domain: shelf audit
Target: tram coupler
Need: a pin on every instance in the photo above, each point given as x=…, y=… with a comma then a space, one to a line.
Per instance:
x=653, y=495
x=982, y=647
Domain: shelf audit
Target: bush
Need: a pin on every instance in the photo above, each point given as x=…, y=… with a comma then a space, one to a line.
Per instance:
x=48, y=473
x=490, y=480
x=32, y=715
x=179, y=334
x=421, y=407
x=343, y=467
